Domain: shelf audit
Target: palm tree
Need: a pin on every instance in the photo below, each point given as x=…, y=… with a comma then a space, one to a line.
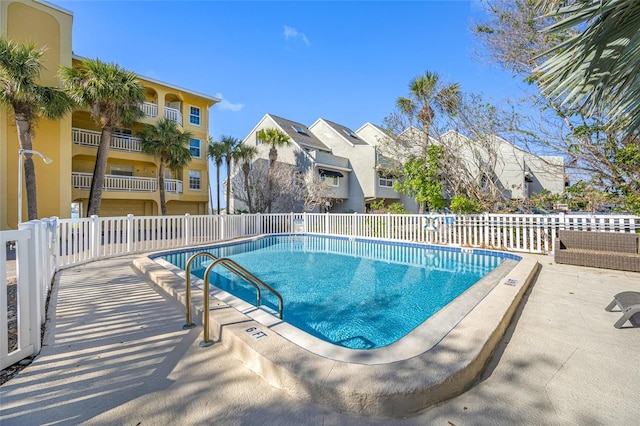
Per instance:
x=113, y=95
x=230, y=144
x=274, y=138
x=598, y=68
x=170, y=145
x=20, y=68
x=244, y=154
x=426, y=95
x=216, y=152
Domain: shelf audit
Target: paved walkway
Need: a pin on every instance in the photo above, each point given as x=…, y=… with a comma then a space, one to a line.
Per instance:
x=115, y=353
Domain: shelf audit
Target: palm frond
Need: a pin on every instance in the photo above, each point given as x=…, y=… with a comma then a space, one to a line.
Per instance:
x=274, y=137
x=113, y=94
x=53, y=103
x=406, y=105
x=167, y=142
x=216, y=152
x=598, y=69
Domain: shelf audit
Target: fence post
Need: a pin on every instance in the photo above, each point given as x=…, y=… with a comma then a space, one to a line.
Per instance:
x=387, y=227
x=291, y=224
x=42, y=257
x=27, y=265
x=55, y=241
x=562, y=221
x=304, y=222
x=129, y=233
x=486, y=230
x=354, y=224
x=187, y=230
x=326, y=223
x=94, y=237
x=259, y=219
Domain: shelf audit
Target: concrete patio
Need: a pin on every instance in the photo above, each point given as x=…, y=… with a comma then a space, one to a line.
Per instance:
x=115, y=353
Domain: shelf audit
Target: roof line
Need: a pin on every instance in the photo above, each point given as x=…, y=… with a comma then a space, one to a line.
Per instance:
x=173, y=86
x=304, y=151
x=55, y=6
x=329, y=123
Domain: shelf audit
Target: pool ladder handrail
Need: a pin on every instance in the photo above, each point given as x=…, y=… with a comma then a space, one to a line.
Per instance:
x=233, y=267
x=189, y=324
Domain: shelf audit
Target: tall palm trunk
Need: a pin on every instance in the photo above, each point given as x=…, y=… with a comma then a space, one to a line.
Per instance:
x=273, y=156
x=245, y=170
x=218, y=185
x=24, y=136
x=228, y=160
x=163, y=198
x=210, y=195
x=100, y=169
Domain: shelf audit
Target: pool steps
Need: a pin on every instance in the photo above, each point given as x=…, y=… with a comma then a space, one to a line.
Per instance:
x=236, y=269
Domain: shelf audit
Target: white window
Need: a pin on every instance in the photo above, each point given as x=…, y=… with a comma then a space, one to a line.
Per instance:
x=385, y=182
x=194, y=147
x=194, y=115
x=331, y=180
x=300, y=130
x=194, y=180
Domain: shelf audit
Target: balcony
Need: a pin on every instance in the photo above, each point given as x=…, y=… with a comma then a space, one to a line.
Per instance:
x=150, y=109
x=330, y=159
x=118, y=142
x=115, y=183
x=173, y=186
x=173, y=114
x=81, y=180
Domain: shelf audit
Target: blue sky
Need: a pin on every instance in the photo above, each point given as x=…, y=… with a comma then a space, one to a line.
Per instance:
x=343, y=61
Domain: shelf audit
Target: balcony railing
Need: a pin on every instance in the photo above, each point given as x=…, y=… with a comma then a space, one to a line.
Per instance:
x=118, y=142
x=115, y=183
x=150, y=109
x=173, y=114
x=329, y=159
x=126, y=183
x=173, y=185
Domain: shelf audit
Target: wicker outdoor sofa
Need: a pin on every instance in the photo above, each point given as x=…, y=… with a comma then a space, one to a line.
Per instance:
x=610, y=250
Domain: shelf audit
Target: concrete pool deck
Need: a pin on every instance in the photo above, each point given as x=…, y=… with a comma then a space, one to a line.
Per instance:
x=437, y=360
x=115, y=353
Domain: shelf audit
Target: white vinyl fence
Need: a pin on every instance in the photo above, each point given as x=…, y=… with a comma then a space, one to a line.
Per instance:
x=45, y=246
x=35, y=249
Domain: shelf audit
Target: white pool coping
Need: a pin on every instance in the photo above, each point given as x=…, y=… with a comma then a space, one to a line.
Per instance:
x=436, y=361
x=419, y=340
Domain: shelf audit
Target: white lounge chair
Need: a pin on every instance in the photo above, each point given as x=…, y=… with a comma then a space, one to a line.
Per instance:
x=629, y=304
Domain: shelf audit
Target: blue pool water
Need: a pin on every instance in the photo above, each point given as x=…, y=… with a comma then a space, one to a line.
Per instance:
x=357, y=294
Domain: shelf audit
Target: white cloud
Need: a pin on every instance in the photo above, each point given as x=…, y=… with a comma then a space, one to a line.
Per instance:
x=292, y=33
x=225, y=105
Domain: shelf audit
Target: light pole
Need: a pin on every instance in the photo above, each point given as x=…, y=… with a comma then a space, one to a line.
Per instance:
x=21, y=153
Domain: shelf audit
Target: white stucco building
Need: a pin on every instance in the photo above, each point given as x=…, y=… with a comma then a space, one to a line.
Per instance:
x=353, y=162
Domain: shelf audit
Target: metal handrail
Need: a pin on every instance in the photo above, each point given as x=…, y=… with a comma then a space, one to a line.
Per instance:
x=189, y=323
x=233, y=267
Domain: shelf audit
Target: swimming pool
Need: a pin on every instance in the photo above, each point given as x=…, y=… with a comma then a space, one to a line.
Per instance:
x=435, y=361
x=358, y=294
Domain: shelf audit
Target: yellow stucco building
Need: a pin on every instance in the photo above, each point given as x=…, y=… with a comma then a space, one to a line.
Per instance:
x=131, y=184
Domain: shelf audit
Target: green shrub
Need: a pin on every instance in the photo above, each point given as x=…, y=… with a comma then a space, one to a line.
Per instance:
x=463, y=205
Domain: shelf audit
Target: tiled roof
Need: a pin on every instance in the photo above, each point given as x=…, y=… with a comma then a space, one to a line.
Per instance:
x=308, y=139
